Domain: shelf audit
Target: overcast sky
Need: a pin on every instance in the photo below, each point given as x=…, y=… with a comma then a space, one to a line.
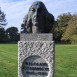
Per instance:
x=15, y=10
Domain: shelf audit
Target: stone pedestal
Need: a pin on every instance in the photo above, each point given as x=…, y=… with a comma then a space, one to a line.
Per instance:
x=36, y=55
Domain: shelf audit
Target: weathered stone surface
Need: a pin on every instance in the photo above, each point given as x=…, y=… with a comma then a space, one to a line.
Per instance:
x=43, y=49
x=35, y=66
x=38, y=19
x=36, y=51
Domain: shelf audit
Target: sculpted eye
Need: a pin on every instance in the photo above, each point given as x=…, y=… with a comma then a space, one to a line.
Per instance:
x=33, y=10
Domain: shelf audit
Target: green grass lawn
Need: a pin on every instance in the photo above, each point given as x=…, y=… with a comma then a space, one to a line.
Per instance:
x=65, y=60
x=8, y=60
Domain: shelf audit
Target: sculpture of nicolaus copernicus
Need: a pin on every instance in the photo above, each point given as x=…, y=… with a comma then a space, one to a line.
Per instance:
x=38, y=19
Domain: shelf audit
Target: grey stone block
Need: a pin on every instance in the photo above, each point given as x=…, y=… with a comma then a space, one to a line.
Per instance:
x=36, y=37
x=36, y=58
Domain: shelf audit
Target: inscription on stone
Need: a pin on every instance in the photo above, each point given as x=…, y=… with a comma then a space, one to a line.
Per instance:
x=35, y=66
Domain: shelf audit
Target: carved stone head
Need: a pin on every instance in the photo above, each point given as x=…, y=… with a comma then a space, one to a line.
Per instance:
x=38, y=19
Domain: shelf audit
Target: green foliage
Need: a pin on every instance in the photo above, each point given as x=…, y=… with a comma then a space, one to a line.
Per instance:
x=74, y=38
x=13, y=33
x=71, y=31
x=2, y=19
x=3, y=35
x=10, y=34
x=60, y=25
x=65, y=28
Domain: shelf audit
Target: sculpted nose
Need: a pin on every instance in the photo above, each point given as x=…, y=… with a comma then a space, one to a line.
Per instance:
x=36, y=14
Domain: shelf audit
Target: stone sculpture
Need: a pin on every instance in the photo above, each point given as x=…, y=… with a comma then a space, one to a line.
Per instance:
x=38, y=19
x=36, y=46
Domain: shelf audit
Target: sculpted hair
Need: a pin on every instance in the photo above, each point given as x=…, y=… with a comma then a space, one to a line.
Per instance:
x=47, y=22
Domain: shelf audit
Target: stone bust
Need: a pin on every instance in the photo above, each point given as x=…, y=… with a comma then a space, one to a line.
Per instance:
x=38, y=19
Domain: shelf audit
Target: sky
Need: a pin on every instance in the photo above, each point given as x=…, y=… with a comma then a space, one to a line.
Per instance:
x=15, y=10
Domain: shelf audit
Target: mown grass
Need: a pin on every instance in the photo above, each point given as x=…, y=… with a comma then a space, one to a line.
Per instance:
x=65, y=60
x=8, y=60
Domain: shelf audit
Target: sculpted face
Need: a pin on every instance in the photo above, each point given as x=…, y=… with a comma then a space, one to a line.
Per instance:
x=36, y=12
x=38, y=19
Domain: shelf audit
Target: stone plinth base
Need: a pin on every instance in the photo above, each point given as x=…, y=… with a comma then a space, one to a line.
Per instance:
x=36, y=56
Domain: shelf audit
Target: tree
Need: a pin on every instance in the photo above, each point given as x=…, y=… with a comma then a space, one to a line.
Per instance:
x=71, y=31
x=2, y=19
x=60, y=25
x=3, y=36
x=13, y=33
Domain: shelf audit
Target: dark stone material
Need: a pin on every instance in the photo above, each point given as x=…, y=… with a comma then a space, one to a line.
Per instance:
x=36, y=37
x=38, y=19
